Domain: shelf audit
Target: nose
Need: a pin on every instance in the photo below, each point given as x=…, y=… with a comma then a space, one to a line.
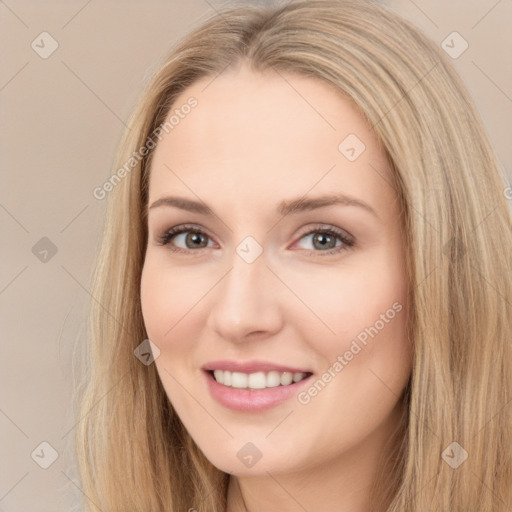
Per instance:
x=246, y=301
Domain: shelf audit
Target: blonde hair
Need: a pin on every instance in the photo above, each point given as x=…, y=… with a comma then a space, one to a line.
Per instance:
x=133, y=451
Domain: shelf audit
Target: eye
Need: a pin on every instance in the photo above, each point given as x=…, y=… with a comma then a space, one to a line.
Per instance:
x=324, y=239
x=193, y=238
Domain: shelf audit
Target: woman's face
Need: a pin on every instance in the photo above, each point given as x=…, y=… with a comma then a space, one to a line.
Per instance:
x=256, y=289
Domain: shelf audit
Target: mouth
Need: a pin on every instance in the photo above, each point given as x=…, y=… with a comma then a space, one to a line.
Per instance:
x=257, y=380
x=255, y=386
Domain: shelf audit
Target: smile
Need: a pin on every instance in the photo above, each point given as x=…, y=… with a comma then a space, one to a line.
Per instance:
x=257, y=380
x=253, y=386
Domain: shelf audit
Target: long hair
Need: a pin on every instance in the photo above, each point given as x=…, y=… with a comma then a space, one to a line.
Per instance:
x=132, y=450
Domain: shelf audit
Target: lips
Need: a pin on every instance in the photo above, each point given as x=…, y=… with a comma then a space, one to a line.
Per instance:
x=253, y=386
x=252, y=367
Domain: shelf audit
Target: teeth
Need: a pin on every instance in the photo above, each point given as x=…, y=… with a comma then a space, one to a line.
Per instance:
x=219, y=376
x=273, y=379
x=239, y=380
x=258, y=380
x=286, y=378
x=297, y=377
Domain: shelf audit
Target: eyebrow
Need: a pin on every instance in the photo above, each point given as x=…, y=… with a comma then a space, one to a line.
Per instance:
x=285, y=207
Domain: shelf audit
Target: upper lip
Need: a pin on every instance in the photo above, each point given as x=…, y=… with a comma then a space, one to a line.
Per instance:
x=251, y=367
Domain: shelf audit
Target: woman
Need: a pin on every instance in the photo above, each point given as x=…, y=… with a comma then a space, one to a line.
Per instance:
x=256, y=370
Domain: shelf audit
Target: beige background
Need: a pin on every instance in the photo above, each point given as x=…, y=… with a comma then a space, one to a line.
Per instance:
x=61, y=119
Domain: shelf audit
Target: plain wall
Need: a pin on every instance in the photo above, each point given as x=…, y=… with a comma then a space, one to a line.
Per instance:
x=61, y=119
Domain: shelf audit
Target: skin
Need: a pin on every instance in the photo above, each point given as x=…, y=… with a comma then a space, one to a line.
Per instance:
x=252, y=141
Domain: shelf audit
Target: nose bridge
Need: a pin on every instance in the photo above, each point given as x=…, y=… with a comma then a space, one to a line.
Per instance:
x=244, y=288
x=244, y=302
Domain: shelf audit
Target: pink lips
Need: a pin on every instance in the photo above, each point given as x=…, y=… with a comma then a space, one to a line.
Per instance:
x=250, y=367
x=256, y=400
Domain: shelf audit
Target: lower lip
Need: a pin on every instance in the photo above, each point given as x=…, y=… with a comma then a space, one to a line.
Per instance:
x=256, y=400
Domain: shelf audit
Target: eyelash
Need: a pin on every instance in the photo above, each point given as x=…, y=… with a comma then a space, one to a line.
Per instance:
x=347, y=242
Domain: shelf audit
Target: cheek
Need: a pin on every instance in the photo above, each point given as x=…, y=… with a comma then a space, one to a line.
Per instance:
x=167, y=309
x=168, y=299
x=175, y=306
x=367, y=360
x=156, y=304
x=363, y=300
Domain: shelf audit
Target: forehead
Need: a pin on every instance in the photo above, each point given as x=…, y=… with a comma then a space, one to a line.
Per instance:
x=258, y=137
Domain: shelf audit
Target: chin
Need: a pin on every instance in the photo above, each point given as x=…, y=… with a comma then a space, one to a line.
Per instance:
x=246, y=458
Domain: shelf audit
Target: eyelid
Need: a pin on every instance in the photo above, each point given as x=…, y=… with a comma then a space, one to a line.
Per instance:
x=179, y=229
x=325, y=227
x=347, y=240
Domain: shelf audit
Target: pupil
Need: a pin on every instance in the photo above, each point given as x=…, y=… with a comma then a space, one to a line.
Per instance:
x=195, y=237
x=326, y=238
